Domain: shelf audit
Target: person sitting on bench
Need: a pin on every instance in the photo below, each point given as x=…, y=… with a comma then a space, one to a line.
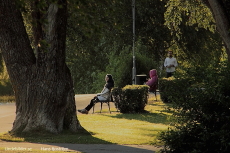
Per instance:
x=104, y=95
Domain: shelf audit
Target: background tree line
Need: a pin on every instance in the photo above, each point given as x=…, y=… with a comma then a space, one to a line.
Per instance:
x=99, y=39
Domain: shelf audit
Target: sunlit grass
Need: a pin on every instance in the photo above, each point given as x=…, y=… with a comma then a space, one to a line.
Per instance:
x=11, y=138
x=32, y=151
x=122, y=129
x=106, y=128
x=129, y=128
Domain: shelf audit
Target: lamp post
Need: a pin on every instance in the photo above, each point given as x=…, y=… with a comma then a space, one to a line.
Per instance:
x=134, y=66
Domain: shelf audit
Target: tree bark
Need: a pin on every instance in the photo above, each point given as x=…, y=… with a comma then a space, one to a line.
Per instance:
x=222, y=22
x=42, y=84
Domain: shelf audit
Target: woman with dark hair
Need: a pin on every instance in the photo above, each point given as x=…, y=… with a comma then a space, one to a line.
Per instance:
x=104, y=95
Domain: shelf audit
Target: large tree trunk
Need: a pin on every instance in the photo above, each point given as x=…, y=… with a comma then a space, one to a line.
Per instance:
x=42, y=84
x=222, y=21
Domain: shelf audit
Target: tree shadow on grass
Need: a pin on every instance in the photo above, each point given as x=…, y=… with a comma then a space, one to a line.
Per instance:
x=145, y=116
x=159, y=116
x=80, y=137
x=82, y=141
x=167, y=108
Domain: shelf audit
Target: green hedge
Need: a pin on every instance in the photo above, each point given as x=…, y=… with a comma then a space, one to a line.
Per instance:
x=201, y=109
x=173, y=87
x=131, y=98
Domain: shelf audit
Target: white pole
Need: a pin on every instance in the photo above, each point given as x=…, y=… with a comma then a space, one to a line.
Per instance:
x=134, y=66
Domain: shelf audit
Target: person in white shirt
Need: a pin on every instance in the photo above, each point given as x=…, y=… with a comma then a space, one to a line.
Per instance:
x=170, y=64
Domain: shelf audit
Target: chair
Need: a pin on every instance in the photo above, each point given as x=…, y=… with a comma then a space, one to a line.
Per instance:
x=110, y=99
x=155, y=93
x=155, y=87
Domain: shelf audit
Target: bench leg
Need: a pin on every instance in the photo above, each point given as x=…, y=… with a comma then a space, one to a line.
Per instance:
x=94, y=106
x=101, y=107
x=109, y=107
x=155, y=95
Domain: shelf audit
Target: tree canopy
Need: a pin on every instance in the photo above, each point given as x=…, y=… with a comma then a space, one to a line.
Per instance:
x=104, y=31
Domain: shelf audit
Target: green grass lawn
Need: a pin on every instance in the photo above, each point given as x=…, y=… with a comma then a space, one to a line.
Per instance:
x=106, y=128
x=128, y=128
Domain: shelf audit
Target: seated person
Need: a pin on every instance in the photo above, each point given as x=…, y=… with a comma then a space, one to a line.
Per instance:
x=104, y=95
x=153, y=81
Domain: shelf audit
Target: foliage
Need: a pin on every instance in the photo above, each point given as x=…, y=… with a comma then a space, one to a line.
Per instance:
x=131, y=98
x=225, y=4
x=91, y=21
x=164, y=85
x=191, y=11
x=107, y=39
x=5, y=84
x=195, y=39
x=99, y=38
x=202, y=114
x=103, y=45
x=6, y=88
x=150, y=27
x=121, y=65
x=173, y=87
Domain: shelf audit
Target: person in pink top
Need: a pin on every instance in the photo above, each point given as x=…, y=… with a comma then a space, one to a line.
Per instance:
x=153, y=81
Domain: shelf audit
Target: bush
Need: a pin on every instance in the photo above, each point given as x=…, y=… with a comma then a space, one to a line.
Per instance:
x=173, y=87
x=131, y=98
x=202, y=115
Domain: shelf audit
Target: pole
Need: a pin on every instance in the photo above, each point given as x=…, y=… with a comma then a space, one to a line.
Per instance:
x=134, y=66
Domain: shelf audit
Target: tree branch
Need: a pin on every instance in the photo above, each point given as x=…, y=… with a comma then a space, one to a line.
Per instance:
x=14, y=41
x=56, y=31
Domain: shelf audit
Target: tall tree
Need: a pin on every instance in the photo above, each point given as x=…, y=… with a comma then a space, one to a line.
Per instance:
x=194, y=31
x=41, y=80
x=221, y=12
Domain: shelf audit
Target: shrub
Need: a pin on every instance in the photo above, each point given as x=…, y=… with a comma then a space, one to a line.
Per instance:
x=131, y=98
x=202, y=115
x=173, y=87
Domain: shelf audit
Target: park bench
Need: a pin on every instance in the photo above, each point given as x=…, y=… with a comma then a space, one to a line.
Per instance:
x=107, y=101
